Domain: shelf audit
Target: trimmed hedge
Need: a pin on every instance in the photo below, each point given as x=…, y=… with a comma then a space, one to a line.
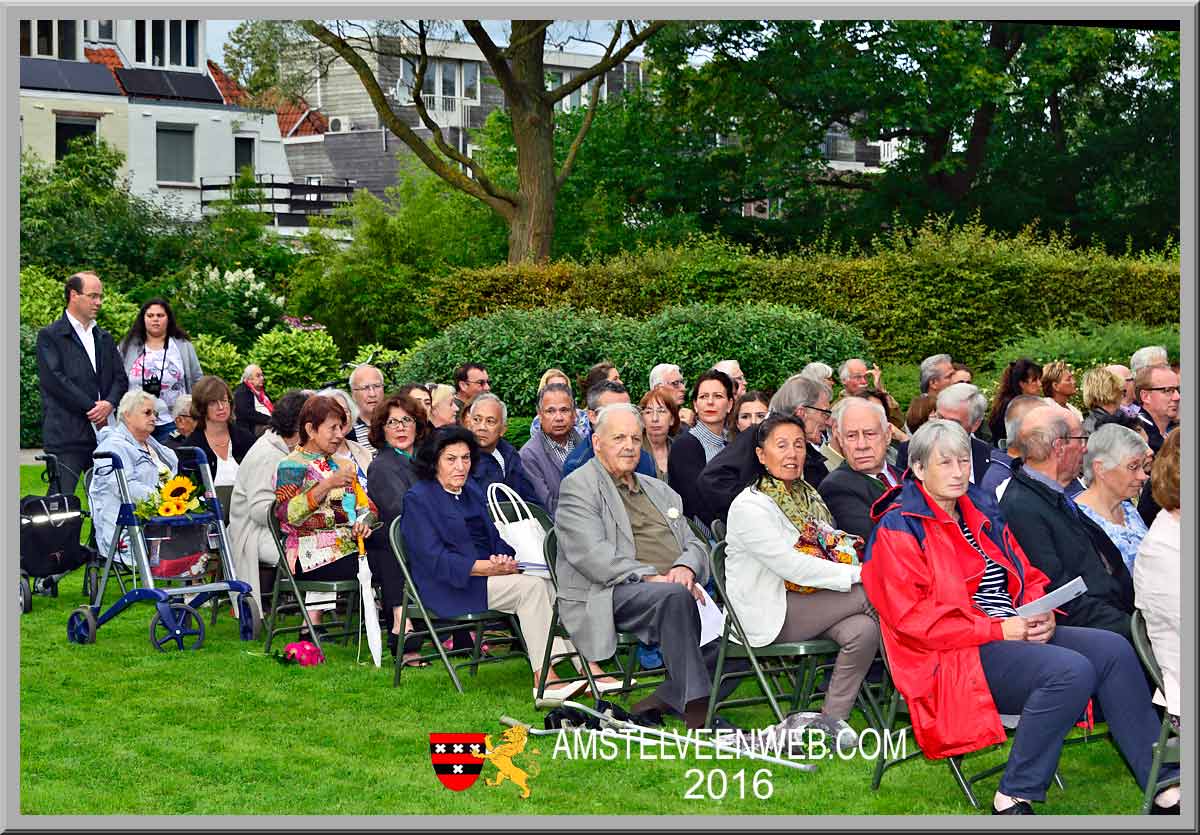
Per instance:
x=960, y=289
x=31, y=395
x=1091, y=345
x=516, y=346
x=296, y=359
x=42, y=303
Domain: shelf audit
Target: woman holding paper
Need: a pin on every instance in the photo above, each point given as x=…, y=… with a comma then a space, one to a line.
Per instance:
x=312, y=491
x=792, y=576
x=947, y=578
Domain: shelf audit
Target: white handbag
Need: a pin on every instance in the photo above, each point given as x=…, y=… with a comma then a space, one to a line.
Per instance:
x=524, y=532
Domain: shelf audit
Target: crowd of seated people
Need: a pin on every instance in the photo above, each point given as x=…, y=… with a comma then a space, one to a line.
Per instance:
x=918, y=532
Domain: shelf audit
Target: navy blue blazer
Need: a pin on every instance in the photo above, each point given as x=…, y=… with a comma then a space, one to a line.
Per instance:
x=440, y=550
x=487, y=470
x=69, y=386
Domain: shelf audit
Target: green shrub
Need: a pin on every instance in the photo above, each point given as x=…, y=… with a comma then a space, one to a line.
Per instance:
x=385, y=359
x=296, y=359
x=518, y=430
x=219, y=358
x=940, y=287
x=42, y=303
x=516, y=346
x=237, y=305
x=1091, y=344
x=31, y=396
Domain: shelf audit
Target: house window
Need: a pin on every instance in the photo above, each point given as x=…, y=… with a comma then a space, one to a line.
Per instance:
x=445, y=82
x=67, y=128
x=158, y=42
x=45, y=38
x=192, y=31
x=66, y=40
x=139, y=41
x=26, y=38
x=104, y=30
x=176, y=42
x=471, y=81
x=243, y=153
x=50, y=39
x=176, y=153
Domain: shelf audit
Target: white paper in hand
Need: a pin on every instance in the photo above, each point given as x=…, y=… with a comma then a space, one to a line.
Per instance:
x=712, y=619
x=1055, y=599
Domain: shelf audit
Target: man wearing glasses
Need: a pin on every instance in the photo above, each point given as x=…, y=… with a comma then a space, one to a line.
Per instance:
x=470, y=380
x=366, y=387
x=81, y=377
x=1157, y=389
x=666, y=374
x=1056, y=536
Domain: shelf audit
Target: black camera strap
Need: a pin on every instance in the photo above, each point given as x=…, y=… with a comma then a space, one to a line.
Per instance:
x=163, y=371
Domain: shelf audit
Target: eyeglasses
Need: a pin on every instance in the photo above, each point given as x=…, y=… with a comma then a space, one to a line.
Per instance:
x=1164, y=389
x=675, y=384
x=1076, y=438
x=392, y=423
x=94, y=296
x=819, y=409
x=484, y=382
x=370, y=387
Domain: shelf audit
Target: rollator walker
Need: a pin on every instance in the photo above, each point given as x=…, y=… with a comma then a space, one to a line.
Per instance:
x=176, y=619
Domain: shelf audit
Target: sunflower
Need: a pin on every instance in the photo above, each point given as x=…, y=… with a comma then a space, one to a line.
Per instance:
x=172, y=507
x=180, y=487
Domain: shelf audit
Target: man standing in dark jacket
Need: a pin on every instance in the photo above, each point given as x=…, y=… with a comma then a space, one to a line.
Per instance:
x=1056, y=536
x=728, y=473
x=498, y=459
x=81, y=377
x=862, y=431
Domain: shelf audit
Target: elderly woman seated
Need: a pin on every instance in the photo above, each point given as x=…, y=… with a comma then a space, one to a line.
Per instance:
x=350, y=448
x=791, y=576
x=946, y=577
x=458, y=559
x=185, y=422
x=314, y=494
x=1115, y=467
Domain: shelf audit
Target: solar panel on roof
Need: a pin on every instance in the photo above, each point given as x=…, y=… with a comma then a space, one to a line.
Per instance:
x=40, y=74
x=164, y=84
x=88, y=78
x=193, y=87
x=145, y=83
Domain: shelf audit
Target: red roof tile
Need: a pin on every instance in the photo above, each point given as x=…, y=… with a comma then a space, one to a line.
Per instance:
x=108, y=57
x=295, y=116
x=231, y=91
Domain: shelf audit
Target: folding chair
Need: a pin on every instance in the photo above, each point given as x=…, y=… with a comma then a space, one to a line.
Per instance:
x=285, y=581
x=965, y=782
x=718, y=530
x=801, y=674
x=437, y=627
x=1166, y=748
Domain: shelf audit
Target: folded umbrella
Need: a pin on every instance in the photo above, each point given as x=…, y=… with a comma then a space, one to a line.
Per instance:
x=370, y=618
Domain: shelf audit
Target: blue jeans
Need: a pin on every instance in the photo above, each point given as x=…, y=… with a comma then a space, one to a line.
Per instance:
x=1049, y=686
x=162, y=431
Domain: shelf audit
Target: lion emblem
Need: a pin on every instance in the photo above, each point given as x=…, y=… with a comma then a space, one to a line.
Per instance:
x=502, y=756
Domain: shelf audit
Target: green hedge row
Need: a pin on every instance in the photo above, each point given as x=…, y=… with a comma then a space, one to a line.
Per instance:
x=959, y=289
x=1092, y=344
x=770, y=341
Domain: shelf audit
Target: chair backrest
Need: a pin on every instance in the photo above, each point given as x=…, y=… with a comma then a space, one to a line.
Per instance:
x=1141, y=643
x=277, y=532
x=716, y=563
x=718, y=530
x=550, y=552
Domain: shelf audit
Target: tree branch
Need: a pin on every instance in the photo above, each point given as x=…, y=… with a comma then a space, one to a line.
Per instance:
x=610, y=60
x=569, y=162
x=508, y=51
x=496, y=60
x=501, y=201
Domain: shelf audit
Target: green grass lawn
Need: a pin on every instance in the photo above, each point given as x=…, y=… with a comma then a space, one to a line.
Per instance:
x=119, y=728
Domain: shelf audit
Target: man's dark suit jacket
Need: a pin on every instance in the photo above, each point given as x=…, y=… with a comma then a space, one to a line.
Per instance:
x=69, y=386
x=849, y=495
x=981, y=457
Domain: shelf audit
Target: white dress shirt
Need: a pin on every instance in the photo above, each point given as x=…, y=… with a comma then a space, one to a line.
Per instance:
x=87, y=335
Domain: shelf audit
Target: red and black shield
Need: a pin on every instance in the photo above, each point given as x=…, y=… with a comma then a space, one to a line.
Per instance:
x=456, y=759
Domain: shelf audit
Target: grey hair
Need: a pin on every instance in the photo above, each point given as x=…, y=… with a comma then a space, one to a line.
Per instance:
x=346, y=400
x=488, y=397
x=935, y=434
x=961, y=394
x=1146, y=357
x=842, y=406
x=661, y=370
x=1111, y=445
x=844, y=368
x=614, y=408
x=132, y=399
x=798, y=391
x=1037, y=444
x=247, y=372
x=1016, y=409
x=929, y=369
x=818, y=371
x=358, y=368
x=603, y=387
x=183, y=404
x=554, y=388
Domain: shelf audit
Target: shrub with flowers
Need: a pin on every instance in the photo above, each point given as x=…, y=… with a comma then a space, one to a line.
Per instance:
x=175, y=496
x=236, y=305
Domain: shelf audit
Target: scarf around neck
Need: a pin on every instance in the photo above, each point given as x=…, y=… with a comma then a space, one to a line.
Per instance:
x=804, y=508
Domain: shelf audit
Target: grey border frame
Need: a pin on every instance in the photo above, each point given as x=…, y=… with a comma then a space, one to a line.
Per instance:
x=1184, y=12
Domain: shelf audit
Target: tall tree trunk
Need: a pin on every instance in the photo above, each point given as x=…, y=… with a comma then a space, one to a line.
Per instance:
x=531, y=231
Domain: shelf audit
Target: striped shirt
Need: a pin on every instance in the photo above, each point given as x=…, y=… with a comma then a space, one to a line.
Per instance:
x=992, y=595
x=362, y=433
x=711, y=442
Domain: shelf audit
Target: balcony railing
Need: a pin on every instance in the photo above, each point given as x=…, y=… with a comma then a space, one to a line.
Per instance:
x=290, y=203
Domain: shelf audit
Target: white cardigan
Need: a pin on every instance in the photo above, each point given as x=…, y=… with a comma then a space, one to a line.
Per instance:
x=760, y=555
x=1156, y=588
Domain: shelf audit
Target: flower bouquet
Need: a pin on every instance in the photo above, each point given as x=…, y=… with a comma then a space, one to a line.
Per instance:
x=175, y=496
x=174, y=551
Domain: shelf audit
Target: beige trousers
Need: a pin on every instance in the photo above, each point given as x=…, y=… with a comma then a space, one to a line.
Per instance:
x=531, y=599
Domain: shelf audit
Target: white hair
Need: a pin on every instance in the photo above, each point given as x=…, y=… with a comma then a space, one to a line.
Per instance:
x=183, y=404
x=131, y=400
x=818, y=371
x=615, y=408
x=929, y=367
x=661, y=370
x=346, y=399
x=358, y=368
x=935, y=434
x=963, y=394
x=726, y=366
x=488, y=397
x=846, y=403
x=248, y=372
x=1146, y=357
x=844, y=368
x=1112, y=445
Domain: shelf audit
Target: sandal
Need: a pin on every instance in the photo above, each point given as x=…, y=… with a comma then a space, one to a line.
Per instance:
x=413, y=659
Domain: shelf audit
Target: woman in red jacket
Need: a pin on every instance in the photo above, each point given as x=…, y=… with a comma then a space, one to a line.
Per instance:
x=946, y=576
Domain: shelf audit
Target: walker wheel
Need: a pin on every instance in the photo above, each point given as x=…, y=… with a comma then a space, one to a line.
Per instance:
x=49, y=586
x=189, y=633
x=81, y=626
x=91, y=581
x=250, y=622
x=24, y=596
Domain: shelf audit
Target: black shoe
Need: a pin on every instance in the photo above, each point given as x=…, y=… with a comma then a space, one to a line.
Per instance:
x=1021, y=807
x=720, y=723
x=393, y=643
x=1155, y=809
x=651, y=718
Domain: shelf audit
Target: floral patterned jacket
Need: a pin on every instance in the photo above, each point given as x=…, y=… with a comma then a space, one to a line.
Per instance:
x=316, y=532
